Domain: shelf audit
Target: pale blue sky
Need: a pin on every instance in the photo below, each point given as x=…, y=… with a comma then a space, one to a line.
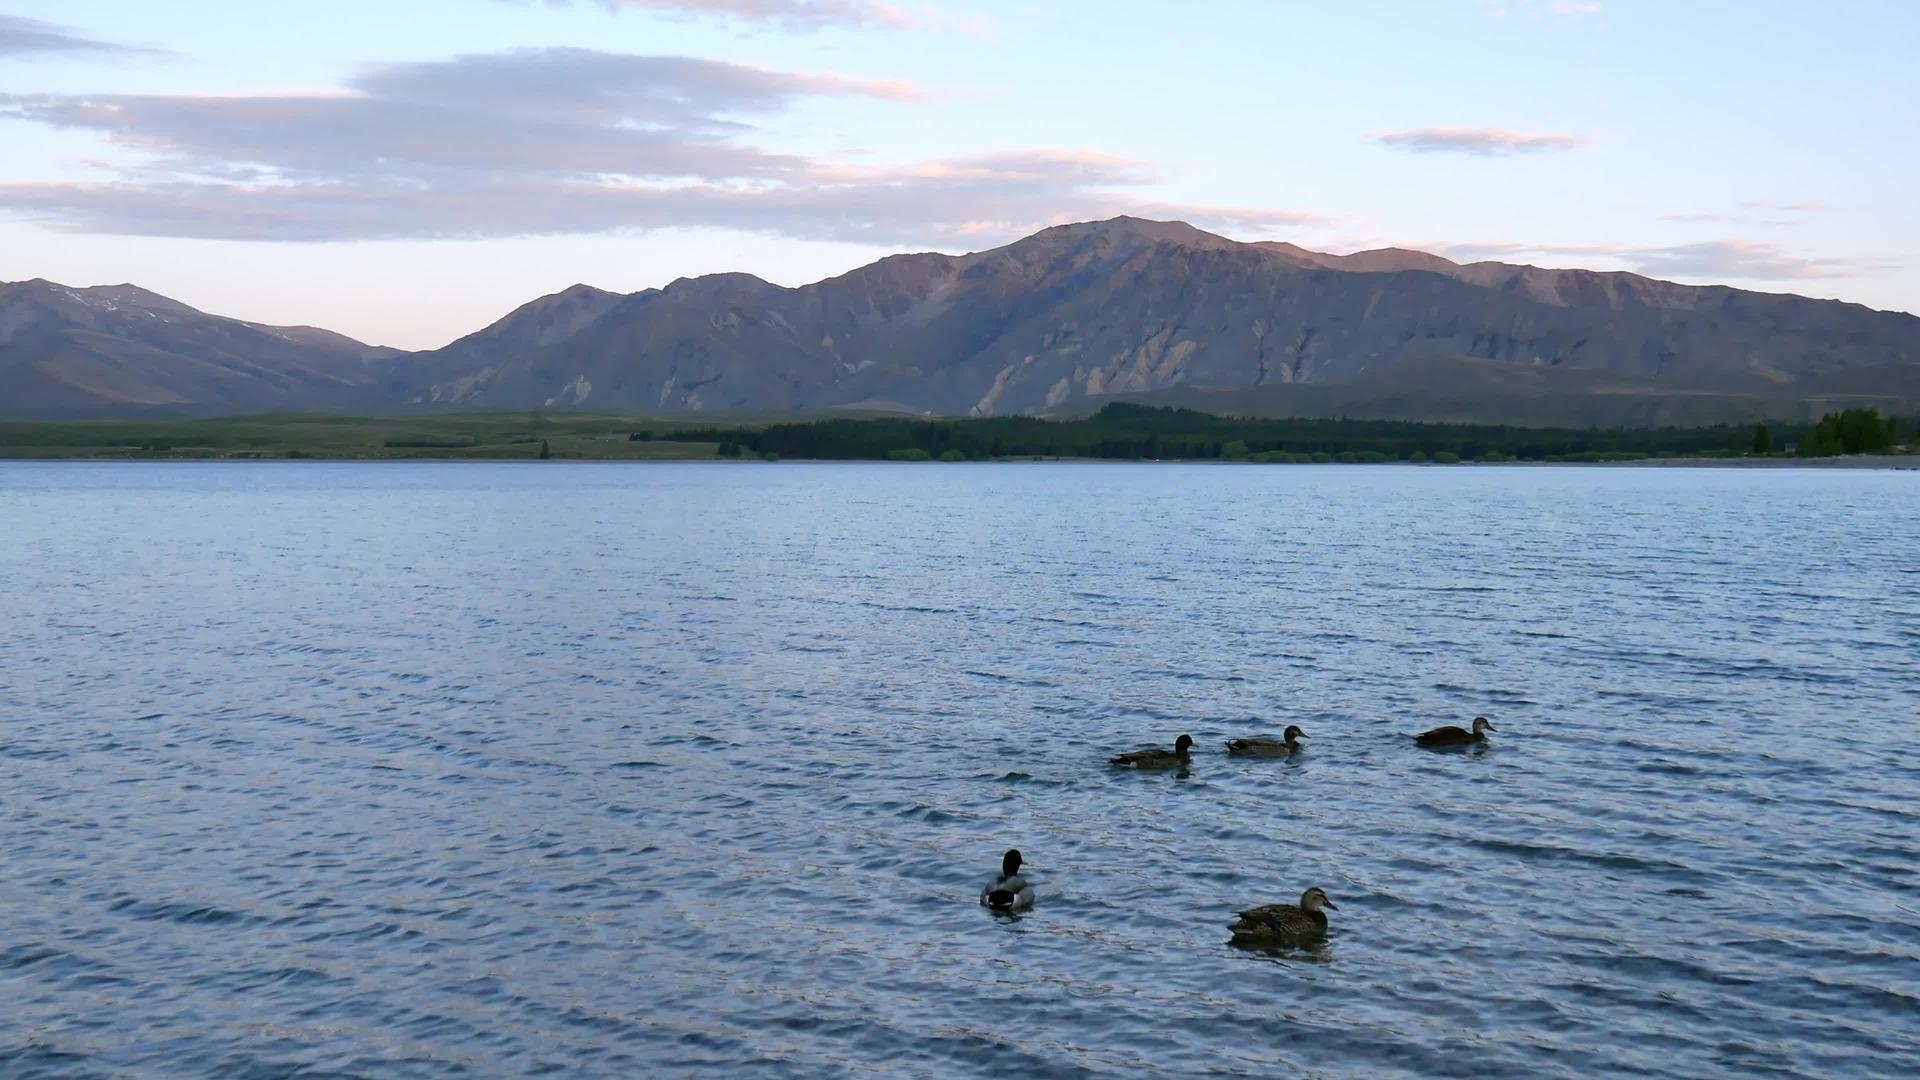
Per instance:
x=406, y=171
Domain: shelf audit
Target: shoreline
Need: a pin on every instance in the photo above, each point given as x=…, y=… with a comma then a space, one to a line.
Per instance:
x=1875, y=462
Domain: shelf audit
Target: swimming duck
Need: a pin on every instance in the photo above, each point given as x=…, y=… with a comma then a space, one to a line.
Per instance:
x=1284, y=924
x=1008, y=891
x=1453, y=736
x=1268, y=747
x=1156, y=758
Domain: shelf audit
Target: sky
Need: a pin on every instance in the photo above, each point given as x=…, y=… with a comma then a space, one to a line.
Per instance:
x=407, y=171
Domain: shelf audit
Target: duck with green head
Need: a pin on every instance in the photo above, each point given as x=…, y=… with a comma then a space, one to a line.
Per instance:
x=1008, y=891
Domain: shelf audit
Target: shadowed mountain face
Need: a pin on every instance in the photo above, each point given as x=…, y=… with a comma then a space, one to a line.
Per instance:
x=1129, y=306
x=1456, y=389
x=117, y=348
x=1051, y=323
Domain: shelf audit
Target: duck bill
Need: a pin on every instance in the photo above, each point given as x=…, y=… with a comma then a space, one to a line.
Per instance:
x=1330, y=904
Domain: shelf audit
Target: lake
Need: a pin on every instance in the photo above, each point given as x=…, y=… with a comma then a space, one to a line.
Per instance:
x=423, y=770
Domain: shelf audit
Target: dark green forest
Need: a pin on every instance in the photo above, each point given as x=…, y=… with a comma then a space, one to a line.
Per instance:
x=1855, y=431
x=1120, y=432
x=1136, y=432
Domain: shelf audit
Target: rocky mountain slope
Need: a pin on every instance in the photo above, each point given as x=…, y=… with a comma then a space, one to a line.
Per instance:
x=114, y=349
x=1065, y=318
x=1127, y=306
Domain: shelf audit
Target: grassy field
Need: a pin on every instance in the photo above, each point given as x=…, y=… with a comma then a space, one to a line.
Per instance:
x=484, y=436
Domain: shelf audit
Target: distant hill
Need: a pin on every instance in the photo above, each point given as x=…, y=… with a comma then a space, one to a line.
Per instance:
x=1058, y=322
x=117, y=349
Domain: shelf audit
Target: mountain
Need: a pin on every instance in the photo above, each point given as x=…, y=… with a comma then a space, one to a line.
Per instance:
x=1058, y=322
x=114, y=349
x=1086, y=311
x=1457, y=389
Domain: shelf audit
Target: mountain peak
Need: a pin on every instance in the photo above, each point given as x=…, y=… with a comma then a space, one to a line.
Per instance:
x=1148, y=229
x=135, y=296
x=1391, y=259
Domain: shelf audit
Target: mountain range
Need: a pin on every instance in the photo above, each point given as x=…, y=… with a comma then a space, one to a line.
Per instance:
x=1058, y=322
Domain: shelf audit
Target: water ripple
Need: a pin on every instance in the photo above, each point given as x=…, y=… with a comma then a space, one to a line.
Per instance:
x=421, y=771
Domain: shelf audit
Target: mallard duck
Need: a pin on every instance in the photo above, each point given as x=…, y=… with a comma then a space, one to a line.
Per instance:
x=1453, y=736
x=1156, y=758
x=1008, y=891
x=1284, y=924
x=1268, y=747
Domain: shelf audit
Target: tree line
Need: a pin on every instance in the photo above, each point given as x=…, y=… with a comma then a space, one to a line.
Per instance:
x=1129, y=432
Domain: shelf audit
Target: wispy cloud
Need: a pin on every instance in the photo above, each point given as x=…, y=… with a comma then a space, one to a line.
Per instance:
x=1485, y=142
x=805, y=15
x=1732, y=259
x=1561, y=9
x=22, y=37
x=544, y=141
x=1752, y=212
x=1747, y=259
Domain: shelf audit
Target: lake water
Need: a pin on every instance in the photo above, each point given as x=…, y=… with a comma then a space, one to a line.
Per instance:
x=419, y=770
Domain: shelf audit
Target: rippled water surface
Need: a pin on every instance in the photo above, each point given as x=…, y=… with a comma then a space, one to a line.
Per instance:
x=421, y=770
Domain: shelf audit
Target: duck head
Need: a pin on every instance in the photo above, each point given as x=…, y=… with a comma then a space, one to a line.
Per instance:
x=1482, y=725
x=1294, y=733
x=1010, y=863
x=1316, y=898
x=1181, y=745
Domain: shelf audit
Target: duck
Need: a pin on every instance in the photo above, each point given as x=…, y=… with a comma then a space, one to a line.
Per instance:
x=1008, y=891
x=1156, y=758
x=1284, y=924
x=1268, y=747
x=1453, y=736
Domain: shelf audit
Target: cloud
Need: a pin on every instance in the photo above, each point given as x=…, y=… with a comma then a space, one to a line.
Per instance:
x=805, y=15
x=1749, y=259
x=1753, y=212
x=31, y=37
x=1485, y=142
x=549, y=141
x=1558, y=8
x=915, y=207
x=554, y=112
x=1725, y=259
x=1716, y=218
x=602, y=85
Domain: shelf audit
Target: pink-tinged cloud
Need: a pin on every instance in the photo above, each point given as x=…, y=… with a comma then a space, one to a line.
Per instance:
x=1484, y=142
x=803, y=15
x=551, y=141
x=886, y=212
x=560, y=112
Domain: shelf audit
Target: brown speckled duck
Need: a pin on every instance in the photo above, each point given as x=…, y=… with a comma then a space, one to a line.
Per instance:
x=1284, y=924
